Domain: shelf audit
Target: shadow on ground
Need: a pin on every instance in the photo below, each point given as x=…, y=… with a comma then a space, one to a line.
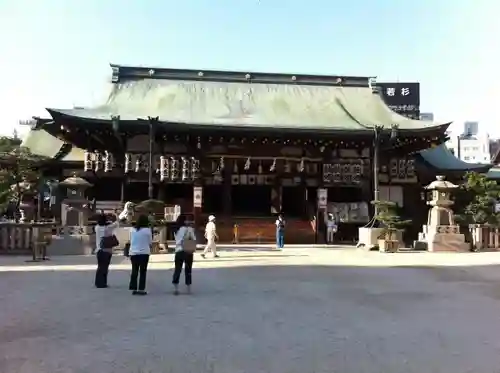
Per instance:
x=307, y=318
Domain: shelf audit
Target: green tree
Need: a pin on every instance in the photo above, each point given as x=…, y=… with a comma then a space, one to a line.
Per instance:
x=389, y=219
x=483, y=195
x=19, y=171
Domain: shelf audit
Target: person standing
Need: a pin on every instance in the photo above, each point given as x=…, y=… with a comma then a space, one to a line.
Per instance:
x=331, y=228
x=211, y=236
x=141, y=238
x=280, y=232
x=103, y=229
x=183, y=256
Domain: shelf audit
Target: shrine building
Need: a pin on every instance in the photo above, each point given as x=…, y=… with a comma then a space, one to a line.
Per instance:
x=244, y=147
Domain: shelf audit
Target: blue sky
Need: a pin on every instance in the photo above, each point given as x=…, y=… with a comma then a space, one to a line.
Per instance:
x=56, y=53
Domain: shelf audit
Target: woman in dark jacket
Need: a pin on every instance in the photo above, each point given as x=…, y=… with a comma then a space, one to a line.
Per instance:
x=103, y=229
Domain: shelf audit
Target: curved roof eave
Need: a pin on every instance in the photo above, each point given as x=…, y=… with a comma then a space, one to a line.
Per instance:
x=442, y=158
x=100, y=118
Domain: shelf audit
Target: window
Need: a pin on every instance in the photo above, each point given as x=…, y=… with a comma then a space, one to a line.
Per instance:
x=466, y=158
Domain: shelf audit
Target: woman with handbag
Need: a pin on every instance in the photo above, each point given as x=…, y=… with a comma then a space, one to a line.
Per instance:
x=185, y=247
x=105, y=240
x=141, y=238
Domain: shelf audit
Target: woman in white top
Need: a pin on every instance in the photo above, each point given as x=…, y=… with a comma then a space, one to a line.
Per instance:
x=103, y=255
x=184, y=231
x=141, y=237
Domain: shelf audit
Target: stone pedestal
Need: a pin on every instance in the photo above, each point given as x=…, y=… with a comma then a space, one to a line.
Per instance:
x=446, y=238
x=369, y=237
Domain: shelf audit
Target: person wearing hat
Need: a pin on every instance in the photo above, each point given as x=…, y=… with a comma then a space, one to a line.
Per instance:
x=331, y=228
x=211, y=236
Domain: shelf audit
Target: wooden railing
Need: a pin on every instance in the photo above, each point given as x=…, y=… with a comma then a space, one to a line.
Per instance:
x=256, y=231
x=24, y=238
x=485, y=238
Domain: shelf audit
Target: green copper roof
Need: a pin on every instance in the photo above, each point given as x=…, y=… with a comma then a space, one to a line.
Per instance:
x=442, y=158
x=75, y=155
x=258, y=105
x=41, y=143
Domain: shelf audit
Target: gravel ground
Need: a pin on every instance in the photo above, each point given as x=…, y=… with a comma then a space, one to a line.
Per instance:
x=301, y=310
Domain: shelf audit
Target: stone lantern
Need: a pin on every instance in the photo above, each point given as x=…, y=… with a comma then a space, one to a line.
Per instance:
x=74, y=208
x=441, y=233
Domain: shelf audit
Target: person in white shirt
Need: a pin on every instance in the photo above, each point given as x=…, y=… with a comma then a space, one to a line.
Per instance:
x=184, y=231
x=280, y=232
x=211, y=236
x=141, y=237
x=331, y=228
x=103, y=255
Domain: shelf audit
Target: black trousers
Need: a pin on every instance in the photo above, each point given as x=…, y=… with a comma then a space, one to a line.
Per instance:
x=183, y=258
x=139, y=268
x=101, y=274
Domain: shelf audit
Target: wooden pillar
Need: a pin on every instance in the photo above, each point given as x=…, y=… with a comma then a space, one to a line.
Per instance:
x=226, y=185
x=276, y=194
x=162, y=193
x=197, y=204
x=321, y=213
x=122, y=189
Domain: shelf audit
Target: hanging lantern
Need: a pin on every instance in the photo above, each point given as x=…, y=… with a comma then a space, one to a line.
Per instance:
x=98, y=161
x=273, y=166
x=393, y=167
x=195, y=168
x=164, y=168
x=108, y=161
x=138, y=164
x=174, y=169
x=402, y=169
x=410, y=168
x=301, y=166
x=87, y=161
x=221, y=164
x=259, y=169
x=128, y=163
x=235, y=167
x=247, y=164
x=185, y=169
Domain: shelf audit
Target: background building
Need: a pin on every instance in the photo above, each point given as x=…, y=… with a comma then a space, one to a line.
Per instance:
x=470, y=128
x=471, y=145
x=427, y=116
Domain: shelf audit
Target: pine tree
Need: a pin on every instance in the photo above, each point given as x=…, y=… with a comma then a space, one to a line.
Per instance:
x=389, y=219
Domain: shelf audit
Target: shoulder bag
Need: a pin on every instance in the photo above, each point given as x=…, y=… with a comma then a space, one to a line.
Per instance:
x=108, y=242
x=188, y=244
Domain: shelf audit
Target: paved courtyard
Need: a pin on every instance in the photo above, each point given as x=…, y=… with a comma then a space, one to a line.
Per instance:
x=302, y=310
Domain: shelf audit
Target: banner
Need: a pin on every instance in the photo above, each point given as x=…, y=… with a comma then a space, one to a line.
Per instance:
x=403, y=98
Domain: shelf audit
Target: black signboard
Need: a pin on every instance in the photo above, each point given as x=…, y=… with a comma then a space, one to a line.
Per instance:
x=403, y=98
